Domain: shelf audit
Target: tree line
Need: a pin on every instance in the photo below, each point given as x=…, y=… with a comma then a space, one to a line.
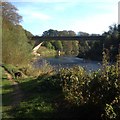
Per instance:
x=93, y=50
x=17, y=46
x=68, y=47
x=86, y=49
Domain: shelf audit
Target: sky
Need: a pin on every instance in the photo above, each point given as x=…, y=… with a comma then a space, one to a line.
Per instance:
x=91, y=16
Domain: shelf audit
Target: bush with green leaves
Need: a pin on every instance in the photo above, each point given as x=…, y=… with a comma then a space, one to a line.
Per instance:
x=99, y=88
x=49, y=82
x=73, y=82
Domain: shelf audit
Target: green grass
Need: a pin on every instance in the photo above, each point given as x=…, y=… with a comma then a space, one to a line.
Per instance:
x=36, y=106
x=44, y=98
x=7, y=99
x=3, y=75
x=41, y=99
x=6, y=86
x=35, y=103
x=7, y=89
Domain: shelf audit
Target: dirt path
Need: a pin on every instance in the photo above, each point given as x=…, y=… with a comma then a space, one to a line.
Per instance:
x=17, y=94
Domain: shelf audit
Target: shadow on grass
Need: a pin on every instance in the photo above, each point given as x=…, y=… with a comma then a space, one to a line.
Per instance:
x=41, y=100
x=7, y=91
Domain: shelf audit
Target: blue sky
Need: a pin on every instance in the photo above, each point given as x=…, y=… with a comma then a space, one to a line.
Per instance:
x=77, y=15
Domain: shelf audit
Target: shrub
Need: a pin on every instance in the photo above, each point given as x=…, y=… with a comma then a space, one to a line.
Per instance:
x=49, y=82
x=38, y=67
x=73, y=82
x=100, y=88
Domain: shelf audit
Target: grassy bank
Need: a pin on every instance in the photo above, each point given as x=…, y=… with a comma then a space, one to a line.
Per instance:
x=69, y=93
x=37, y=102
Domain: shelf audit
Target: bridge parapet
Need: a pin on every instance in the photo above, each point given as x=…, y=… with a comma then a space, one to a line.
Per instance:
x=78, y=38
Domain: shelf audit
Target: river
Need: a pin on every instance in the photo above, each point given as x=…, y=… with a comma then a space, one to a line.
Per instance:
x=68, y=61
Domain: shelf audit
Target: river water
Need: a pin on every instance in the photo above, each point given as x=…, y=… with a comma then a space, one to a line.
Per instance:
x=68, y=61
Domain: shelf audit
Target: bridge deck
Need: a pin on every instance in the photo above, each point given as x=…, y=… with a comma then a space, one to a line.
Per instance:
x=79, y=38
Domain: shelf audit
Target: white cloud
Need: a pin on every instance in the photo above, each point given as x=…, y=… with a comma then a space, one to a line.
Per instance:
x=64, y=6
x=59, y=8
x=40, y=16
x=91, y=24
x=31, y=13
x=33, y=17
x=95, y=24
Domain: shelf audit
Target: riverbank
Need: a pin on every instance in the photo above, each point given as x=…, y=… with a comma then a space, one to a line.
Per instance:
x=71, y=93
